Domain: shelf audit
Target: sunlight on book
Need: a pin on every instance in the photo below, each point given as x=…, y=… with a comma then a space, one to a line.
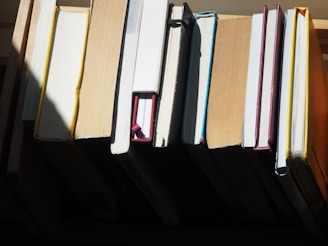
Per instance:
x=58, y=105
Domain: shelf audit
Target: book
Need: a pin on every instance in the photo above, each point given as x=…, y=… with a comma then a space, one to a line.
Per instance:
x=95, y=139
x=265, y=30
x=301, y=60
x=169, y=113
x=148, y=69
x=136, y=161
x=32, y=186
x=225, y=115
x=254, y=77
x=102, y=68
x=266, y=138
x=195, y=106
x=57, y=108
x=121, y=129
x=56, y=116
x=97, y=99
x=107, y=188
x=167, y=149
x=198, y=78
x=224, y=125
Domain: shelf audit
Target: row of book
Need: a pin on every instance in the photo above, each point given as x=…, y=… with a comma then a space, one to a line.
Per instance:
x=143, y=108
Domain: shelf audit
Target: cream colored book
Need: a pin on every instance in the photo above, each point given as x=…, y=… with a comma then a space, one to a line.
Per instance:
x=60, y=86
x=225, y=109
x=56, y=117
x=101, y=66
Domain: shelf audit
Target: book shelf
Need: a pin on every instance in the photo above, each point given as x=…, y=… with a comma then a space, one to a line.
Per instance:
x=75, y=226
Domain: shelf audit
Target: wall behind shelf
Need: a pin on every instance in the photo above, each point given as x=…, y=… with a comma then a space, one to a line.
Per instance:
x=318, y=8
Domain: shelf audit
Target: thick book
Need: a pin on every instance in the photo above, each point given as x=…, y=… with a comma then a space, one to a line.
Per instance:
x=261, y=99
x=309, y=105
x=135, y=160
x=101, y=66
x=121, y=128
x=94, y=123
x=167, y=150
x=300, y=151
x=148, y=69
x=225, y=115
x=56, y=116
x=198, y=78
x=169, y=113
x=195, y=106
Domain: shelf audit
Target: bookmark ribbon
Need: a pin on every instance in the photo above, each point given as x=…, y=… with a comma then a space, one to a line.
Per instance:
x=143, y=114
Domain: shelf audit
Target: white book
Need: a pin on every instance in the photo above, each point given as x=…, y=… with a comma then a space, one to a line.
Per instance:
x=254, y=78
x=148, y=69
x=298, y=131
x=292, y=117
x=58, y=104
x=122, y=129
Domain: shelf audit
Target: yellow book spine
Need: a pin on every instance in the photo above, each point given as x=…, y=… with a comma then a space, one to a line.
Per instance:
x=46, y=70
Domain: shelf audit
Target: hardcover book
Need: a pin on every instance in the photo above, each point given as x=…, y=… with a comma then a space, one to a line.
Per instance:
x=225, y=116
x=144, y=94
x=301, y=158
